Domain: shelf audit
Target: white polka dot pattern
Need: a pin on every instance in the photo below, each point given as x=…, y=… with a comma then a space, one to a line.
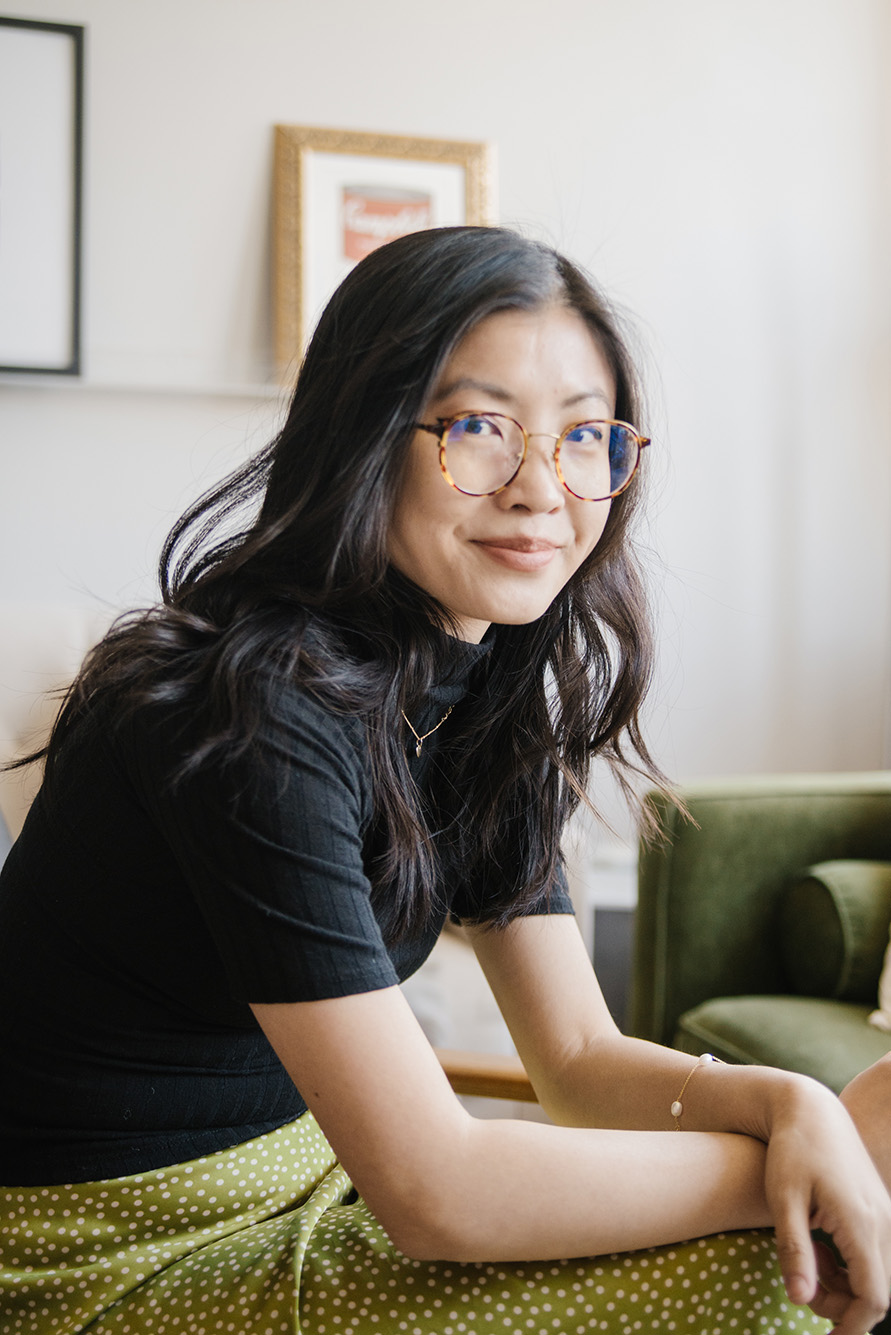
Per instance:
x=269, y=1238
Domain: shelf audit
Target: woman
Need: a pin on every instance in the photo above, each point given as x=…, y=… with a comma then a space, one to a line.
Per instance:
x=373, y=706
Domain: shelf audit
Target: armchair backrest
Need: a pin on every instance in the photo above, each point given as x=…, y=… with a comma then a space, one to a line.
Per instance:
x=709, y=895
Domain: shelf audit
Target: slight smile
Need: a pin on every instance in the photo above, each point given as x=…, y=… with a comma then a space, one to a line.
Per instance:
x=519, y=553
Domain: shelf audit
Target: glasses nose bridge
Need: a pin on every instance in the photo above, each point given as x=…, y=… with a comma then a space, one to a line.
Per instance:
x=534, y=435
x=549, y=457
x=529, y=436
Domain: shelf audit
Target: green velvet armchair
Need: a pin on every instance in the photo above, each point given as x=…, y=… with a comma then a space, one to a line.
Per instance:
x=762, y=923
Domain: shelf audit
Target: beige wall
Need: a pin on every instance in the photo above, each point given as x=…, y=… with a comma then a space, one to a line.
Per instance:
x=723, y=168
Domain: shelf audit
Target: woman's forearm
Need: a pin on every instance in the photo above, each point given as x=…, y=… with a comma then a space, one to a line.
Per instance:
x=446, y=1185
x=631, y=1084
x=524, y=1190
x=585, y=1072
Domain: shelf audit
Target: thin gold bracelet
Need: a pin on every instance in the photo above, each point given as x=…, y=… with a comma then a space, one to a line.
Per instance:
x=677, y=1107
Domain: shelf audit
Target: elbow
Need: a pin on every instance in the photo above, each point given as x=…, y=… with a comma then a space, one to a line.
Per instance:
x=425, y=1201
x=423, y=1244
x=435, y=1228
x=420, y=1243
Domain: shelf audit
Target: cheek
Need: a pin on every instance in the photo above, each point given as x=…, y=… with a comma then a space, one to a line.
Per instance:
x=409, y=502
x=423, y=491
x=590, y=527
x=423, y=517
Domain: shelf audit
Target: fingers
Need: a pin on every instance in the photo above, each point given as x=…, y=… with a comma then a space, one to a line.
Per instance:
x=795, y=1250
x=833, y=1296
x=830, y=1275
x=835, y=1300
x=867, y=1279
x=853, y=1299
x=858, y=1318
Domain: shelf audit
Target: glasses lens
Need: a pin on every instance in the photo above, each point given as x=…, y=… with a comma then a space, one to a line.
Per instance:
x=482, y=453
x=598, y=459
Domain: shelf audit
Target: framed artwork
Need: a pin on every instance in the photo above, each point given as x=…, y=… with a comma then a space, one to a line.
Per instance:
x=338, y=194
x=41, y=131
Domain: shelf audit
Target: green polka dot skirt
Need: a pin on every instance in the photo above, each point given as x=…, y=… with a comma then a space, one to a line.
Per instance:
x=269, y=1238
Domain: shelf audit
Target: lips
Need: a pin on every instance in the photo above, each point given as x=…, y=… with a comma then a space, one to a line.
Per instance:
x=519, y=553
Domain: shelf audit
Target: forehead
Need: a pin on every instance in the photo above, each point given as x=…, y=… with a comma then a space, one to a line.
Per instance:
x=519, y=355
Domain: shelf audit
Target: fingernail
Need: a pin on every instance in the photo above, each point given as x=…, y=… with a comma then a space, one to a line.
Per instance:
x=797, y=1288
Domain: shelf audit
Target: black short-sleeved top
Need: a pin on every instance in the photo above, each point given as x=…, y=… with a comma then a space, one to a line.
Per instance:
x=137, y=923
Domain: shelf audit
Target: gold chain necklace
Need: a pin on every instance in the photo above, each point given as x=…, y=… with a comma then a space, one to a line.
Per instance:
x=422, y=739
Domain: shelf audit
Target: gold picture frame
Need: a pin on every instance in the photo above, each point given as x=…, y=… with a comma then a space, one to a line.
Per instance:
x=338, y=193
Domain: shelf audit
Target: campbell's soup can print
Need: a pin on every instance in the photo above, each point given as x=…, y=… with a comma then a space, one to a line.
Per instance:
x=373, y=214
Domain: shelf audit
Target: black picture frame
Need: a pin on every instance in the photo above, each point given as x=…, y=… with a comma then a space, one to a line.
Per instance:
x=41, y=183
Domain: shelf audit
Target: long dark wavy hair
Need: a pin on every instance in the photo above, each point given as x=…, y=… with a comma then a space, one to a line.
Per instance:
x=280, y=575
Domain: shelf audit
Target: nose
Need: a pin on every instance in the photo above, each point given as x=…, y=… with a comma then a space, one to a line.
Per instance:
x=536, y=487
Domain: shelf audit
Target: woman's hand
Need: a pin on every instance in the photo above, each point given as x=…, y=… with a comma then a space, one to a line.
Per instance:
x=818, y=1174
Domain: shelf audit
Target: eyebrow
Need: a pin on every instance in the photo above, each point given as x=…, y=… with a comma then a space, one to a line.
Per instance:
x=504, y=396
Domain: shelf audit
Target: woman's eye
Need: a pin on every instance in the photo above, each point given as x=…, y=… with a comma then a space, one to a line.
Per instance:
x=588, y=433
x=479, y=428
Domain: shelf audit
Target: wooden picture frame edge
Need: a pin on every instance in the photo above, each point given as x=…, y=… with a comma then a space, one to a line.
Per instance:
x=292, y=144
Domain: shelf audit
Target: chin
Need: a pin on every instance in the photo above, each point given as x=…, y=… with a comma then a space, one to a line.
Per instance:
x=518, y=616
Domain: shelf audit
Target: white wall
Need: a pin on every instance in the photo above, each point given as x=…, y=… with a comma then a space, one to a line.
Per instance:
x=722, y=167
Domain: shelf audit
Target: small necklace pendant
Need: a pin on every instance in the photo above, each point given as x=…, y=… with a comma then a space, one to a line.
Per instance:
x=420, y=739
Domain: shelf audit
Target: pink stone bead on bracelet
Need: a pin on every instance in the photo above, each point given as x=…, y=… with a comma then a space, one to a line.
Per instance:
x=677, y=1107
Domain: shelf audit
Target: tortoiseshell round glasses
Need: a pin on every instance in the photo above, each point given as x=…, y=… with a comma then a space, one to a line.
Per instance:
x=481, y=453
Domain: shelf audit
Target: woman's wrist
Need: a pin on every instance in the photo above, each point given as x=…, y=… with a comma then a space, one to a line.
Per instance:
x=750, y=1100
x=677, y=1107
x=787, y=1097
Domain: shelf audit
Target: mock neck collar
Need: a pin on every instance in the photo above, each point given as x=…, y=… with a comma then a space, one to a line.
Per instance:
x=459, y=658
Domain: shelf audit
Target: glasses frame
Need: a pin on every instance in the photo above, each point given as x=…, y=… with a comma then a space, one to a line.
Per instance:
x=443, y=425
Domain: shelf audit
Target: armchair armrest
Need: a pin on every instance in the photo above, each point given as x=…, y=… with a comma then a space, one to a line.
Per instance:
x=708, y=896
x=485, y=1075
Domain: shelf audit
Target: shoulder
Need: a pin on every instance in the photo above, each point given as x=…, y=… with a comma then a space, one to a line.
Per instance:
x=303, y=730
x=298, y=748
x=304, y=709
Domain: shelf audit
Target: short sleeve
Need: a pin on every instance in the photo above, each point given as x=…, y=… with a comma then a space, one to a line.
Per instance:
x=471, y=903
x=271, y=848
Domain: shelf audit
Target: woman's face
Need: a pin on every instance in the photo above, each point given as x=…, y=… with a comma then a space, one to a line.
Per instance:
x=505, y=558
